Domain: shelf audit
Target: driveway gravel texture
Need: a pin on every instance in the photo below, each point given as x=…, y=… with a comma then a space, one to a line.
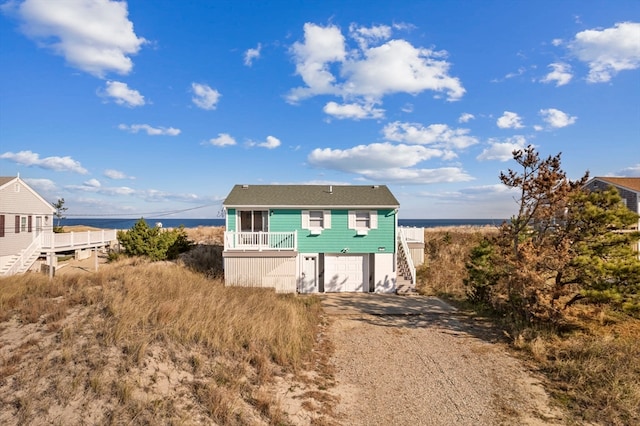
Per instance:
x=414, y=360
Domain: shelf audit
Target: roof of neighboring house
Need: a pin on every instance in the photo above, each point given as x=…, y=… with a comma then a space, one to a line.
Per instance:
x=368, y=196
x=6, y=179
x=630, y=183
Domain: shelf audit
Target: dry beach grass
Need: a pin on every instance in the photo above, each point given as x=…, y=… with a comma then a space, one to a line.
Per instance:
x=167, y=343
x=146, y=343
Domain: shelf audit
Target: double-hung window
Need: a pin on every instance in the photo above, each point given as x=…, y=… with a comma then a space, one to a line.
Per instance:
x=363, y=220
x=316, y=220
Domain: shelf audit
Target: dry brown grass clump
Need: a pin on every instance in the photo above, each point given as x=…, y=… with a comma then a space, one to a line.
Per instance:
x=447, y=251
x=147, y=343
x=593, y=371
x=210, y=235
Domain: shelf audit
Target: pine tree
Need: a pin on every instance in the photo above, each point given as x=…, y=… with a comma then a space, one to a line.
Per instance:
x=564, y=244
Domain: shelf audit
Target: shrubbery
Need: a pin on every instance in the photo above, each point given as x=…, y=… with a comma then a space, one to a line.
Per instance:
x=155, y=243
x=565, y=244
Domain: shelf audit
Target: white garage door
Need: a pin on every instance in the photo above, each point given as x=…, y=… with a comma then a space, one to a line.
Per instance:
x=345, y=272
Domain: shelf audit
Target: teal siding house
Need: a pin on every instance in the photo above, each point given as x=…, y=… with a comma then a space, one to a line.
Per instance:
x=315, y=239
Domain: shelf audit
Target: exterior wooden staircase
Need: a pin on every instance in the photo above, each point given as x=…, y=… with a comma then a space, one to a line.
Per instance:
x=406, y=271
x=22, y=261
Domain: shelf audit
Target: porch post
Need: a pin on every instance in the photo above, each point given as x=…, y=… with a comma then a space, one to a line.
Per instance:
x=50, y=262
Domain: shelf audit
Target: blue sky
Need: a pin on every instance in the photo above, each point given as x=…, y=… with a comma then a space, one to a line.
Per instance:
x=140, y=108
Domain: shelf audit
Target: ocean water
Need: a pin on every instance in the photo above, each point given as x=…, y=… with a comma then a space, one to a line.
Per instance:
x=120, y=223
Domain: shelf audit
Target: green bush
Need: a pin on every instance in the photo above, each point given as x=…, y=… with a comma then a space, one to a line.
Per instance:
x=154, y=243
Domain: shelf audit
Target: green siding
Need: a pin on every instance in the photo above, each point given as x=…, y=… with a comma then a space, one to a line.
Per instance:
x=231, y=220
x=339, y=237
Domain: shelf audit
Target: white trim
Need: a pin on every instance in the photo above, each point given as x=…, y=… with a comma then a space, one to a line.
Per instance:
x=315, y=230
x=373, y=220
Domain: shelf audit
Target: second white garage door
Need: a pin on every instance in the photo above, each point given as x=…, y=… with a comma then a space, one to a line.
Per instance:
x=345, y=272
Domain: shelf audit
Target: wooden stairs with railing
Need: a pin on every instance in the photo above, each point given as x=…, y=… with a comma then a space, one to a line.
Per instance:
x=404, y=280
x=26, y=264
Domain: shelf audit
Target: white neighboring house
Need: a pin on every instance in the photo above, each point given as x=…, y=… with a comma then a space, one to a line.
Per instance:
x=26, y=229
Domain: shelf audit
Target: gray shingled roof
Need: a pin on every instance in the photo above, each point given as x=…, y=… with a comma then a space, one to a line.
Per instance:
x=369, y=196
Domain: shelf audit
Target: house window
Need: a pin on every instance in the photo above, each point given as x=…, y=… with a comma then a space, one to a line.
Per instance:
x=254, y=220
x=23, y=224
x=363, y=219
x=316, y=219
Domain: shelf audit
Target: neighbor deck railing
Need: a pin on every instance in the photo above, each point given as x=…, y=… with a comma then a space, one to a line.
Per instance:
x=261, y=241
x=412, y=234
x=77, y=240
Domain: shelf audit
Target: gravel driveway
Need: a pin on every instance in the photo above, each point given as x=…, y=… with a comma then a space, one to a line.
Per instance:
x=414, y=360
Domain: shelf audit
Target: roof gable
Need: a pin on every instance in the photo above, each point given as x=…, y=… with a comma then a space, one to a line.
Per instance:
x=369, y=196
x=7, y=181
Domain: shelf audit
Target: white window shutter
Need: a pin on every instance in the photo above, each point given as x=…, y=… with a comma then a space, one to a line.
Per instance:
x=352, y=219
x=327, y=219
x=305, y=219
x=373, y=219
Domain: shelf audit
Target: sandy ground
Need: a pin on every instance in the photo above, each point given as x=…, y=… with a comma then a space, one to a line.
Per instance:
x=414, y=361
x=410, y=360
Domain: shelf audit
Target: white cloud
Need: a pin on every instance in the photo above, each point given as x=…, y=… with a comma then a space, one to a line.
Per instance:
x=408, y=108
x=353, y=111
x=399, y=67
x=556, y=118
x=58, y=164
x=94, y=183
x=387, y=162
x=418, y=176
x=608, y=51
x=367, y=72
x=271, y=143
x=152, y=131
x=95, y=36
x=465, y=117
x=367, y=35
x=630, y=171
x=223, y=139
x=251, y=54
x=510, y=120
x=560, y=74
x=116, y=174
x=94, y=186
x=437, y=135
x=42, y=185
x=322, y=46
x=376, y=155
x=204, y=96
x=122, y=95
x=502, y=151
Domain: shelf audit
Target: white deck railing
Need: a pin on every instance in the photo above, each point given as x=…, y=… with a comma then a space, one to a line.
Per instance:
x=77, y=240
x=261, y=241
x=412, y=234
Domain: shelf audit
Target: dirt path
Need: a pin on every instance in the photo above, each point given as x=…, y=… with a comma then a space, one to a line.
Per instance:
x=415, y=361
